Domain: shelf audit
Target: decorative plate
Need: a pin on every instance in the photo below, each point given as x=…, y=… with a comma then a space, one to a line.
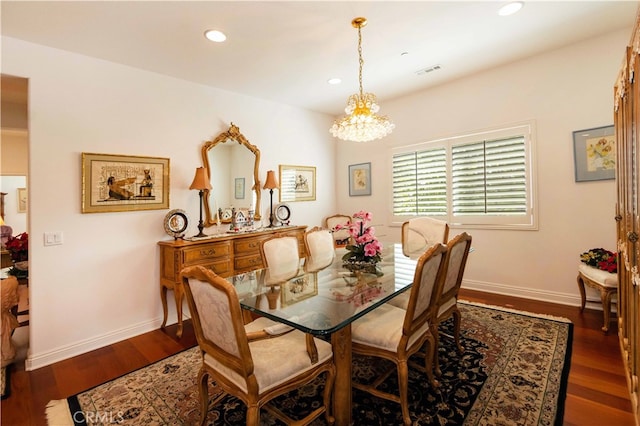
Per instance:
x=282, y=212
x=176, y=222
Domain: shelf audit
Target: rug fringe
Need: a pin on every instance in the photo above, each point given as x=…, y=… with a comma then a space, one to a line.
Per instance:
x=516, y=311
x=58, y=413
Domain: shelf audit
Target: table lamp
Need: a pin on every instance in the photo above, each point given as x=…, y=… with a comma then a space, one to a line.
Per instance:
x=271, y=184
x=201, y=182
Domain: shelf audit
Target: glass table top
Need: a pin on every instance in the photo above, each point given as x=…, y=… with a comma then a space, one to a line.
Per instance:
x=321, y=301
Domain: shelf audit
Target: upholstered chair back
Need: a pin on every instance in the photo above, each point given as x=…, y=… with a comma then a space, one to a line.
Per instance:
x=421, y=233
x=340, y=236
x=281, y=256
x=320, y=248
x=426, y=289
x=217, y=317
x=458, y=251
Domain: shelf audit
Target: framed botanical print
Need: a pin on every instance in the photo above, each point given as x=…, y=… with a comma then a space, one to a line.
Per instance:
x=594, y=153
x=360, y=179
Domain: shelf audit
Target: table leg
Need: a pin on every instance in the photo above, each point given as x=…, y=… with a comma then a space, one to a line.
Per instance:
x=341, y=343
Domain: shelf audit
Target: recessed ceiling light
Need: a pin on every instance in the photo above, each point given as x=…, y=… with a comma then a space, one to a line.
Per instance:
x=334, y=80
x=510, y=8
x=215, y=35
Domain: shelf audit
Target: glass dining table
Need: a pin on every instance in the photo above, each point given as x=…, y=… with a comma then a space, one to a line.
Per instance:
x=324, y=301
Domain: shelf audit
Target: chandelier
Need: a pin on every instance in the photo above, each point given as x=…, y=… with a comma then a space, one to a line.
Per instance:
x=361, y=124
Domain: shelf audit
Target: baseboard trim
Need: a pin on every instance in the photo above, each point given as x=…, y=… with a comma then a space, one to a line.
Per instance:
x=33, y=362
x=534, y=294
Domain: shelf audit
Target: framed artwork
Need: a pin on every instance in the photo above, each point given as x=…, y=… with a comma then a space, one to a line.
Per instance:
x=239, y=185
x=22, y=200
x=360, y=179
x=594, y=153
x=115, y=183
x=297, y=183
x=299, y=289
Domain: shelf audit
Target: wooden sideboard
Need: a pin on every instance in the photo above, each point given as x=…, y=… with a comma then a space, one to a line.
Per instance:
x=226, y=255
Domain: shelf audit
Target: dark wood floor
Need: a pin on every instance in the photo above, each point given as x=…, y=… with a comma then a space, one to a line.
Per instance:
x=597, y=392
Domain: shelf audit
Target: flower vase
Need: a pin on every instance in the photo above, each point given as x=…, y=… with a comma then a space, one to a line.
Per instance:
x=359, y=266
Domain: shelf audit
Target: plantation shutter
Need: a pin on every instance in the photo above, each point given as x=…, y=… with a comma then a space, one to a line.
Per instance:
x=489, y=177
x=420, y=183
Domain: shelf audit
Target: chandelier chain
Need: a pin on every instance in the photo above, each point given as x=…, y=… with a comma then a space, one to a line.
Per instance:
x=361, y=61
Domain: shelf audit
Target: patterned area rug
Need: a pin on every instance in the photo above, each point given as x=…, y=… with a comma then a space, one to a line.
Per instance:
x=513, y=372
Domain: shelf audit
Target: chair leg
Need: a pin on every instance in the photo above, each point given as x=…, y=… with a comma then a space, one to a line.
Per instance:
x=583, y=295
x=253, y=414
x=433, y=352
x=429, y=356
x=605, y=297
x=328, y=394
x=457, y=319
x=403, y=384
x=203, y=382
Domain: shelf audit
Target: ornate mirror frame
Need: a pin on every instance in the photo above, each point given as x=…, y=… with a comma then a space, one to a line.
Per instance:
x=231, y=135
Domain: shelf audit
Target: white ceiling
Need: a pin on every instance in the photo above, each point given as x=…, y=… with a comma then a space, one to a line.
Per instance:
x=286, y=51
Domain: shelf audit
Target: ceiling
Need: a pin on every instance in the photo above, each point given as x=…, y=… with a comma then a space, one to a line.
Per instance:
x=286, y=51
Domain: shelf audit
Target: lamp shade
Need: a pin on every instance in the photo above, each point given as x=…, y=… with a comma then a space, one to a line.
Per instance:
x=271, y=182
x=200, y=180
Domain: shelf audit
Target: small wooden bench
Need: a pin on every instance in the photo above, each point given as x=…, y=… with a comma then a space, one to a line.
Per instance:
x=605, y=282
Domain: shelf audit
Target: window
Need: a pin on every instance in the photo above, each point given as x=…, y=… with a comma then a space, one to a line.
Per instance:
x=478, y=180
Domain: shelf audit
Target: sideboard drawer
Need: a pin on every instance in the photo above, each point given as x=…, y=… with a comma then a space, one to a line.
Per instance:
x=199, y=254
x=221, y=267
x=248, y=263
x=248, y=245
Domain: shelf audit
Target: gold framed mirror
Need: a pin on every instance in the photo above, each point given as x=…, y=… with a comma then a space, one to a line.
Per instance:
x=232, y=163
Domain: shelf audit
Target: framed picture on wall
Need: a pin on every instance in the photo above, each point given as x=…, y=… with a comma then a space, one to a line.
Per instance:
x=114, y=183
x=22, y=200
x=297, y=183
x=594, y=153
x=239, y=185
x=360, y=179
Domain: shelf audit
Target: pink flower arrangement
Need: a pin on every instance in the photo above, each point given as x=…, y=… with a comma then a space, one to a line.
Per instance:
x=365, y=246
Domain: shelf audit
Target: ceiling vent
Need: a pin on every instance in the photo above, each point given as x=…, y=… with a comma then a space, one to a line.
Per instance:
x=428, y=70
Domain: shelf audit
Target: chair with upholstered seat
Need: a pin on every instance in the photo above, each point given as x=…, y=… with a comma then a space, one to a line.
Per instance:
x=320, y=249
x=340, y=236
x=243, y=360
x=396, y=334
x=606, y=283
x=420, y=233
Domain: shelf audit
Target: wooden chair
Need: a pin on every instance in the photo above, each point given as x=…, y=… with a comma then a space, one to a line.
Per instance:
x=605, y=282
x=341, y=236
x=245, y=362
x=457, y=253
x=320, y=249
x=395, y=334
x=422, y=232
x=281, y=255
x=9, y=322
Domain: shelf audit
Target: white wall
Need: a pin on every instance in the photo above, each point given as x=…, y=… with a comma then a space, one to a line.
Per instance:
x=102, y=284
x=563, y=90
